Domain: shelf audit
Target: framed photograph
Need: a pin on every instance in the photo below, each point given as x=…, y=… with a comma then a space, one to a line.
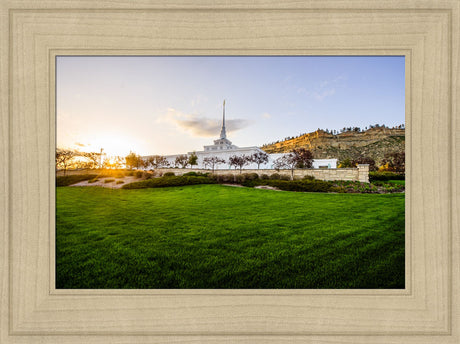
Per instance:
x=59, y=59
x=160, y=185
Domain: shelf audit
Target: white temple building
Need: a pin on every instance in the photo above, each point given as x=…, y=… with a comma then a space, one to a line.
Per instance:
x=224, y=149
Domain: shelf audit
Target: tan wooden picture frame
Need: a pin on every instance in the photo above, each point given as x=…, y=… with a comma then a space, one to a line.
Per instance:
x=33, y=33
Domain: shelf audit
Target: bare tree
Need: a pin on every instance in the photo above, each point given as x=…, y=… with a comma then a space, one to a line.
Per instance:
x=182, y=161
x=259, y=158
x=64, y=158
x=157, y=161
x=238, y=161
x=287, y=161
x=213, y=162
x=94, y=159
x=299, y=158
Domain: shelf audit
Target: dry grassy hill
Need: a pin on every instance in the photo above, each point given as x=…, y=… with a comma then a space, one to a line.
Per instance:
x=373, y=143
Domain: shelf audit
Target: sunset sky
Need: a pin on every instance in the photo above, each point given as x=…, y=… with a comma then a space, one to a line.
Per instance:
x=171, y=105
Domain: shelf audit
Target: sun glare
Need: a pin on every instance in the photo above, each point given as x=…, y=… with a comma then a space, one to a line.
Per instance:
x=112, y=145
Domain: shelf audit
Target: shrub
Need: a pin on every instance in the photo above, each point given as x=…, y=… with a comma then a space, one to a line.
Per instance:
x=240, y=178
x=169, y=174
x=386, y=175
x=139, y=174
x=264, y=177
x=275, y=176
x=148, y=175
x=192, y=174
x=109, y=180
x=196, y=174
x=93, y=180
x=69, y=180
x=251, y=176
x=301, y=185
x=284, y=177
x=309, y=178
x=130, y=173
x=120, y=182
x=169, y=181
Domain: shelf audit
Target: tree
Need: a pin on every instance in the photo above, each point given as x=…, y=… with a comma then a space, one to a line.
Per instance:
x=212, y=161
x=365, y=160
x=132, y=160
x=193, y=159
x=181, y=160
x=395, y=161
x=118, y=162
x=157, y=161
x=64, y=158
x=287, y=161
x=238, y=161
x=94, y=159
x=259, y=158
x=304, y=158
x=346, y=163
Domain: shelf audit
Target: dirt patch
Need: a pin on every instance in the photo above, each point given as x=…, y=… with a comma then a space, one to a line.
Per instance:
x=234, y=185
x=266, y=187
x=112, y=185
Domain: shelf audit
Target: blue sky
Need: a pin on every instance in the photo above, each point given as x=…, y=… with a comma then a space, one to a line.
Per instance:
x=169, y=105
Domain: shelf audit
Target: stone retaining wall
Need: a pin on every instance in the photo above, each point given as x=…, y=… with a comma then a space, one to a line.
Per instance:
x=353, y=174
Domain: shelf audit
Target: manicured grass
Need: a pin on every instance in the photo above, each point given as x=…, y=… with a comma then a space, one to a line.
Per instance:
x=215, y=236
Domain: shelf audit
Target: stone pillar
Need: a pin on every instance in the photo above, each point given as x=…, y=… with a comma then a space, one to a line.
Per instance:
x=363, y=173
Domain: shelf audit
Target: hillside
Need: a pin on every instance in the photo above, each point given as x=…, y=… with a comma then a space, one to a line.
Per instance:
x=373, y=143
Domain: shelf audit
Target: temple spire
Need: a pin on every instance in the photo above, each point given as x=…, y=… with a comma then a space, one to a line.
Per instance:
x=223, y=134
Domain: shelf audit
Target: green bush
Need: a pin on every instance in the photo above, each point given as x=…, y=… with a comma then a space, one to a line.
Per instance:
x=169, y=174
x=130, y=173
x=302, y=185
x=93, y=180
x=309, y=178
x=385, y=175
x=169, y=181
x=120, y=182
x=285, y=177
x=139, y=174
x=69, y=180
x=196, y=174
x=240, y=178
x=109, y=180
x=264, y=177
x=275, y=176
x=251, y=176
x=226, y=178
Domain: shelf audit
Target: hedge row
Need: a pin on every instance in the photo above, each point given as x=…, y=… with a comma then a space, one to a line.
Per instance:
x=73, y=179
x=386, y=175
x=169, y=181
x=305, y=185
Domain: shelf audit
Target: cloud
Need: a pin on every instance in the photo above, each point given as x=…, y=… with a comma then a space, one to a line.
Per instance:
x=325, y=88
x=202, y=126
x=323, y=94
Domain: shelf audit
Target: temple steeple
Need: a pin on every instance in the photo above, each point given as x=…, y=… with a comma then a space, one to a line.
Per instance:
x=223, y=133
x=222, y=143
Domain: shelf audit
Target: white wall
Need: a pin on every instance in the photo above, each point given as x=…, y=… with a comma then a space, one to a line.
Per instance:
x=226, y=154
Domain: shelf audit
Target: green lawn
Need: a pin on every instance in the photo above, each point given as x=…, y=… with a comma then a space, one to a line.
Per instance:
x=215, y=236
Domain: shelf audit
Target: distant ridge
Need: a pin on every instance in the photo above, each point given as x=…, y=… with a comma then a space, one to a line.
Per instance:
x=373, y=143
